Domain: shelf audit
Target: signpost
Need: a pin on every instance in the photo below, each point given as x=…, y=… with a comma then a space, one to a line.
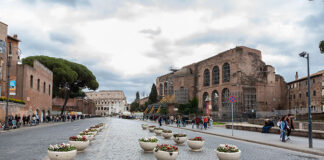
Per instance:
x=232, y=99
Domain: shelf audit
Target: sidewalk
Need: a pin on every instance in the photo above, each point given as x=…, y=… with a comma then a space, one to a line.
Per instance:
x=299, y=144
x=43, y=124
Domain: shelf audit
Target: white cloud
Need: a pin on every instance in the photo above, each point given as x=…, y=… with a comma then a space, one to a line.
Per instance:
x=136, y=39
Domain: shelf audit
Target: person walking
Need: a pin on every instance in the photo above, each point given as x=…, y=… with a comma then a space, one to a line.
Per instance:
x=211, y=122
x=290, y=125
x=160, y=121
x=193, y=121
x=178, y=121
x=197, y=122
x=205, y=122
x=283, y=128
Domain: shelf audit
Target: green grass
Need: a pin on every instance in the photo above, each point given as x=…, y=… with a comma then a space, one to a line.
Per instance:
x=218, y=123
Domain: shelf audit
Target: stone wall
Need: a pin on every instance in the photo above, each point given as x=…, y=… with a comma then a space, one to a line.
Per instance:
x=13, y=109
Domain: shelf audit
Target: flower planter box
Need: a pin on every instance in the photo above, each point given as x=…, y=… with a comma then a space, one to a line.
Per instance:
x=80, y=145
x=151, y=129
x=144, y=127
x=228, y=155
x=179, y=140
x=195, y=145
x=89, y=137
x=163, y=155
x=148, y=146
x=93, y=133
x=55, y=155
x=158, y=132
x=167, y=135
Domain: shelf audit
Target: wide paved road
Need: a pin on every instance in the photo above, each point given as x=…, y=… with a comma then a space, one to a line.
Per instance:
x=119, y=142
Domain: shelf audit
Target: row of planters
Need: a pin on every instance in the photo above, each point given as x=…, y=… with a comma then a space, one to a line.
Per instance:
x=76, y=143
x=170, y=152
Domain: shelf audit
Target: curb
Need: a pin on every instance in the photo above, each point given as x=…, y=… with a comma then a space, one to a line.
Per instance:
x=303, y=150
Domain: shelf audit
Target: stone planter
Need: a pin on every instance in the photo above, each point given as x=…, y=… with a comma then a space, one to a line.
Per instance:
x=195, y=145
x=89, y=137
x=147, y=146
x=80, y=145
x=179, y=140
x=167, y=135
x=158, y=132
x=54, y=155
x=162, y=155
x=93, y=133
x=228, y=156
x=151, y=129
x=144, y=127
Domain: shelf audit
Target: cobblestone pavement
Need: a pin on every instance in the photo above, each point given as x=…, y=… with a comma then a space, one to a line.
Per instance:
x=119, y=141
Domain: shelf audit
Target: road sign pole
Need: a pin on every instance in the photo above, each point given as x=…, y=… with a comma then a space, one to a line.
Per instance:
x=232, y=117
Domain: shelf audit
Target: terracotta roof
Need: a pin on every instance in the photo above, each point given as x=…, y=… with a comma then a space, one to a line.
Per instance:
x=13, y=38
x=312, y=75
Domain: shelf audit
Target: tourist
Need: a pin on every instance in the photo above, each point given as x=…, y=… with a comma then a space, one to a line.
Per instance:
x=178, y=121
x=197, y=122
x=210, y=122
x=24, y=120
x=267, y=125
x=160, y=121
x=193, y=121
x=283, y=128
x=205, y=122
x=291, y=126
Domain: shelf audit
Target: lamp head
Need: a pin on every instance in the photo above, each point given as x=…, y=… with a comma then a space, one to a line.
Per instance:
x=303, y=54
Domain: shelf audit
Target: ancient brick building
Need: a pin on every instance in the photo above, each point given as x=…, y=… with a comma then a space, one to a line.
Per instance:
x=298, y=93
x=32, y=84
x=109, y=101
x=82, y=106
x=238, y=72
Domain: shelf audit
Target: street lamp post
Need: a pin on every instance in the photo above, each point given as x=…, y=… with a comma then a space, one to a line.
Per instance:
x=310, y=140
x=9, y=55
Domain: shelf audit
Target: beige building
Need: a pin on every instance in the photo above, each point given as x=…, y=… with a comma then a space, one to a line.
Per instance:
x=238, y=72
x=109, y=102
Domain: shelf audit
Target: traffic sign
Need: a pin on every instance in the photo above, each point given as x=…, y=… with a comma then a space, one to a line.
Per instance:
x=232, y=99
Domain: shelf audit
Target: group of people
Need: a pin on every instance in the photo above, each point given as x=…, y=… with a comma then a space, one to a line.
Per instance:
x=32, y=120
x=286, y=124
x=202, y=122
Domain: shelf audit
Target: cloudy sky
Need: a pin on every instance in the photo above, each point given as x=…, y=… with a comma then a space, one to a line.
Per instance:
x=128, y=43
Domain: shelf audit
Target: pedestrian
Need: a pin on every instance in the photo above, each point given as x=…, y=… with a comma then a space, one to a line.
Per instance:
x=210, y=122
x=178, y=121
x=290, y=125
x=24, y=119
x=160, y=121
x=193, y=121
x=205, y=122
x=267, y=125
x=197, y=122
x=283, y=128
x=37, y=119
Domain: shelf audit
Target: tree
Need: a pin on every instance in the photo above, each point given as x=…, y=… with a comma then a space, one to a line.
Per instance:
x=153, y=95
x=321, y=46
x=135, y=105
x=69, y=78
x=190, y=107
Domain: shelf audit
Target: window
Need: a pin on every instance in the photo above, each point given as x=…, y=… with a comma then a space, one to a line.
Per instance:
x=215, y=97
x=226, y=72
x=49, y=89
x=314, y=93
x=306, y=94
x=300, y=95
x=44, y=90
x=165, y=88
x=206, y=77
x=161, y=89
x=225, y=96
x=314, y=80
x=294, y=97
x=31, y=81
x=205, y=95
x=216, y=75
x=38, y=84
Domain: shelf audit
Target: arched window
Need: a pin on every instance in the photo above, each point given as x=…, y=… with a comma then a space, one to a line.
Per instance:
x=171, y=89
x=38, y=84
x=225, y=96
x=165, y=88
x=161, y=89
x=226, y=72
x=216, y=75
x=215, y=97
x=205, y=95
x=31, y=81
x=206, y=77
